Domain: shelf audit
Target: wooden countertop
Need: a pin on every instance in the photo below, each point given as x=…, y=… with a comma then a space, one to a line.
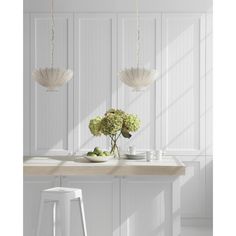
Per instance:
x=72, y=165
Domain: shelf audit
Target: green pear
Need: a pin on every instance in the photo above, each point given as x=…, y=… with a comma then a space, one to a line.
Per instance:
x=96, y=150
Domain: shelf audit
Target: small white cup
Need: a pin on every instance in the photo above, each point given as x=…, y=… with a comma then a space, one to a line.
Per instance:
x=132, y=150
x=148, y=156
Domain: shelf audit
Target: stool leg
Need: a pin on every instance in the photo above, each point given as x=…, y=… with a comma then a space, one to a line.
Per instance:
x=64, y=207
x=83, y=216
x=40, y=216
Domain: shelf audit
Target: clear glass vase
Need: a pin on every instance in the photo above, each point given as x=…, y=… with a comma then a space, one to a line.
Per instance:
x=115, y=149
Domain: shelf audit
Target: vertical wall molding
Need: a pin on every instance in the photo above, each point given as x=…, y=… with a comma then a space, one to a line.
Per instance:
x=26, y=84
x=209, y=84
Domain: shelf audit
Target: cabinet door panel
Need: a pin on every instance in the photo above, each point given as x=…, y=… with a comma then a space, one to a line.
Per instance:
x=183, y=84
x=148, y=208
x=51, y=112
x=33, y=185
x=94, y=60
x=101, y=202
x=145, y=104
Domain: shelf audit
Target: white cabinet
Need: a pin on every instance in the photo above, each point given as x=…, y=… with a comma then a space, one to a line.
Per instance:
x=32, y=188
x=101, y=202
x=150, y=206
x=129, y=206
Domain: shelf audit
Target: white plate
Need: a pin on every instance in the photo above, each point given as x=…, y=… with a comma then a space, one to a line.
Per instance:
x=98, y=158
x=137, y=156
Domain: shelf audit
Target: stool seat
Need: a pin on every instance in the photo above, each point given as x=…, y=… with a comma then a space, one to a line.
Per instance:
x=58, y=192
x=61, y=197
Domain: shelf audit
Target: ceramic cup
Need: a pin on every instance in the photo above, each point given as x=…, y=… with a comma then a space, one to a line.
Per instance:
x=132, y=150
x=148, y=156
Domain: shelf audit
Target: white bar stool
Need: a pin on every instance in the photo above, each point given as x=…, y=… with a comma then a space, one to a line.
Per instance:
x=61, y=197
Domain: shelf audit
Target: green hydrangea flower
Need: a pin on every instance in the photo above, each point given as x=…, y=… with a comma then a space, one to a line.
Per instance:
x=95, y=126
x=116, y=112
x=111, y=124
x=131, y=122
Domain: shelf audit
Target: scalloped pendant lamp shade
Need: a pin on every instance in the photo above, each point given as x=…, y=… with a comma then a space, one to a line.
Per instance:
x=52, y=78
x=137, y=77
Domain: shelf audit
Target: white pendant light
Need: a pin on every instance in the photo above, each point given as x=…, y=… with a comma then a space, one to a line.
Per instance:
x=52, y=78
x=138, y=78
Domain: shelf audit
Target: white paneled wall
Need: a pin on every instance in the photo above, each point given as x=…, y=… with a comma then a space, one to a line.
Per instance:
x=97, y=47
x=176, y=111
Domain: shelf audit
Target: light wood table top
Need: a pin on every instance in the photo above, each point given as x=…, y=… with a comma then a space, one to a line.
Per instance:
x=74, y=165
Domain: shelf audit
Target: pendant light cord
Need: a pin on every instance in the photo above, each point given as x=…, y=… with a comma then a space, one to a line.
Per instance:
x=52, y=33
x=138, y=35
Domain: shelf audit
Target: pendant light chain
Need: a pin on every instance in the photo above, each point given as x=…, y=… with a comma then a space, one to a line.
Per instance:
x=138, y=78
x=52, y=34
x=138, y=35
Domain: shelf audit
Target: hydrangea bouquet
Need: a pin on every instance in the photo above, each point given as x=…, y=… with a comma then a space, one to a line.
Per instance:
x=114, y=123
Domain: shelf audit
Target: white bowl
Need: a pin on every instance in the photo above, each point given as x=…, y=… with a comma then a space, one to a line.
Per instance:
x=99, y=158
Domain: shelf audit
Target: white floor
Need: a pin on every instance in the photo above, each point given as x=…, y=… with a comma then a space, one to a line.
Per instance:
x=196, y=231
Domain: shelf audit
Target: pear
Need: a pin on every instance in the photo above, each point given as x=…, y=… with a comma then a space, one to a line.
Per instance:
x=97, y=151
x=107, y=153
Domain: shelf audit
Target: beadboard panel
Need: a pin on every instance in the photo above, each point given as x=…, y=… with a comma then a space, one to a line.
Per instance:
x=94, y=54
x=193, y=187
x=101, y=203
x=183, y=83
x=143, y=104
x=51, y=112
